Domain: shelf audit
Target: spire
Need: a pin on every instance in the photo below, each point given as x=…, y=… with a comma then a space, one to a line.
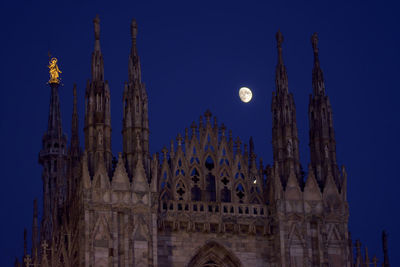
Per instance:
x=322, y=136
x=284, y=127
x=385, y=250
x=53, y=157
x=135, y=122
x=134, y=61
x=75, y=149
x=317, y=75
x=25, y=243
x=281, y=79
x=54, y=127
x=97, y=57
x=35, y=231
x=98, y=110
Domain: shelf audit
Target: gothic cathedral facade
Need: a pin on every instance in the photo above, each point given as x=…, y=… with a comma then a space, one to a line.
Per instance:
x=205, y=201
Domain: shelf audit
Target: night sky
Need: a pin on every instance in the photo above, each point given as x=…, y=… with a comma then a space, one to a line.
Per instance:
x=195, y=55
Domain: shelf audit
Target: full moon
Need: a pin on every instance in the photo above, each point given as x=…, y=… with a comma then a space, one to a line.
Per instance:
x=245, y=94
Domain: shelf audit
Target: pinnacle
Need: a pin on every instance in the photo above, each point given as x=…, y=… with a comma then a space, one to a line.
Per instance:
x=134, y=29
x=96, y=22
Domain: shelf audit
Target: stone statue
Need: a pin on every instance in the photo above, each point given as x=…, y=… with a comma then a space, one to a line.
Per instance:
x=326, y=150
x=96, y=23
x=289, y=148
x=54, y=71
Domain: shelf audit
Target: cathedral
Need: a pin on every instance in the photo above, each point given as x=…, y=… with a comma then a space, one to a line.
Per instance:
x=205, y=201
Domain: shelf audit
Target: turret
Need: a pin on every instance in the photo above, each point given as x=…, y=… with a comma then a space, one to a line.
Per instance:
x=322, y=137
x=135, y=120
x=97, y=111
x=285, y=141
x=53, y=158
x=75, y=151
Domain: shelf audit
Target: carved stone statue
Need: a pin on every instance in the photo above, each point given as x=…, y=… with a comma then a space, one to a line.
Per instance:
x=54, y=71
x=289, y=148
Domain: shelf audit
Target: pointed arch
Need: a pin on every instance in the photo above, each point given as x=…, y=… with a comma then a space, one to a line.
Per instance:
x=225, y=185
x=196, y=184
x=180, y=189
x=212, y=253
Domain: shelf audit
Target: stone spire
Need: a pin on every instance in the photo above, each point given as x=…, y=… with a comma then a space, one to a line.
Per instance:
x=97, y=111
x=317, y=75
x=25, y=243
x=75, y=149
x=53, y=158
x=284, y=127
x=281, y=79
x=322, y=136
x=385, y=250
x=35, y=232
x=97, y=57
x=135, y=121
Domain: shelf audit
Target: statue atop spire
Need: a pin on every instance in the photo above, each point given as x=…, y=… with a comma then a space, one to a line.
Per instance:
x=279, y=40
x=96, y=22
x=134, y=29
x=54, y=71
x=314, y=42
x=317, y=75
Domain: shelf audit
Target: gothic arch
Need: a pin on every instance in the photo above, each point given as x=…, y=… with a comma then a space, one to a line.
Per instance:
x=214, y=254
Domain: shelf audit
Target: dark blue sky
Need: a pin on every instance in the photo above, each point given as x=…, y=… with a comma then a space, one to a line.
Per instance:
x=195, y=55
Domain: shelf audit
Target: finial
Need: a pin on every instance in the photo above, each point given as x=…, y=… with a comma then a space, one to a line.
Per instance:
x=186, y=134
x=193, y=127
x=375, y=261
x=27, y=260
x=279, y=40
x=25, y=241
x=251, y=145
x=223, y=129
x=134, y=29
x=179, y=139
x=164, y=151
x=74, y=90
x=238, y=144
x=314, y=42
x=96, y=23
x=35, y=208
x=207, y=115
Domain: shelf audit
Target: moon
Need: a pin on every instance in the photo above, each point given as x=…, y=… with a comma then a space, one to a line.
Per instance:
x=245, y=94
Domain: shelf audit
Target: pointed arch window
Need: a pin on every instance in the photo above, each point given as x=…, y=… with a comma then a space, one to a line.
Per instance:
x=240, y=193
x=225, y=185
x=180, y=190
x=210, y=180
x=165, y=182
x=194, y=158
x=195, y=191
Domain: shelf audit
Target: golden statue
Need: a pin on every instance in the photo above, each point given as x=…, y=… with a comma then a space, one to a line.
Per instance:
x=54, y=71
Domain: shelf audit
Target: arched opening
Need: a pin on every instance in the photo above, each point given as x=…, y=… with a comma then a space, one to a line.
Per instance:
x=213, y=254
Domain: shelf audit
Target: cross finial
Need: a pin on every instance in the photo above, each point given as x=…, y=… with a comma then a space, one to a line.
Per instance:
x=27, y=260
x=164, y=151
